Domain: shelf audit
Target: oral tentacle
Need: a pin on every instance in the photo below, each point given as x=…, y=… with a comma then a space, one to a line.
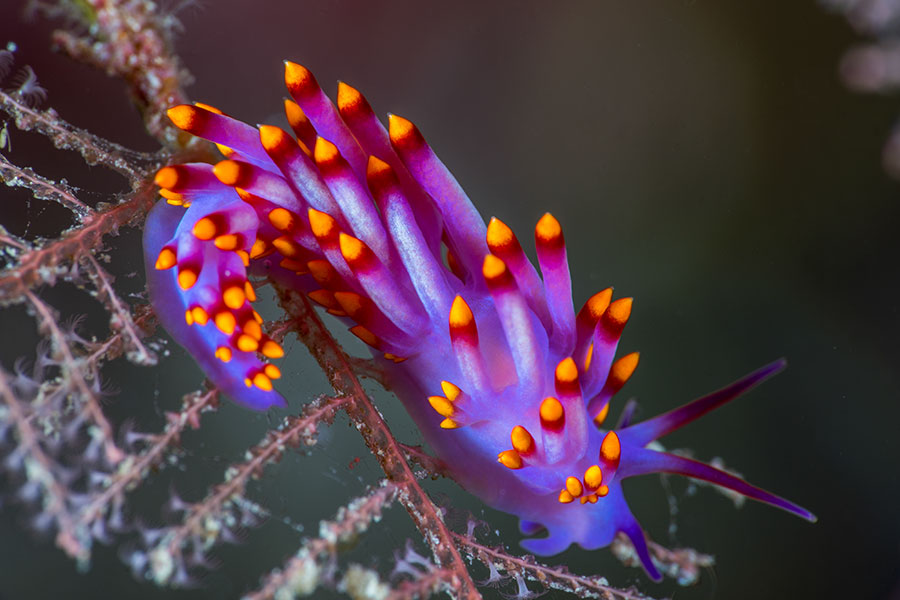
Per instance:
x=642, y=461
x=643, y=433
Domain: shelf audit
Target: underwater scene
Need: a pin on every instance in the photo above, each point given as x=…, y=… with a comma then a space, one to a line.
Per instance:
x=412, y=300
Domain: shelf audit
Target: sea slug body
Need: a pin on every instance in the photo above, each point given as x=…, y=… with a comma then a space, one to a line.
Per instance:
x=508, y=384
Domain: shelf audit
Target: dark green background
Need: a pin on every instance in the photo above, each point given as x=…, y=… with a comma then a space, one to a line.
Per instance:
x=702, y=156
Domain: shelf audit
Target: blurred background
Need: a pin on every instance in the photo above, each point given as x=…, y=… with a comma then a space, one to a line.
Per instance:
x=703, y=157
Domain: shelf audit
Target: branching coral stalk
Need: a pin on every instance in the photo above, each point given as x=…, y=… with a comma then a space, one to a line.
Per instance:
x=131, y=39
x=44, y=264
x=43, y=188
x=306, y=570
x=205, y=521
x=427, y=583
x=93, y=149
x=121, y=320
x=135, y=468
x=557, y=578
x=88, y=398
x=681, y=564
x=378, y=438
x=115, y=345
x=58, y=421
x=40, y=468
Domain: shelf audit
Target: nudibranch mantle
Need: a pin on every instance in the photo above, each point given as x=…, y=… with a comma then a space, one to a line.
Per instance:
x=510, y=387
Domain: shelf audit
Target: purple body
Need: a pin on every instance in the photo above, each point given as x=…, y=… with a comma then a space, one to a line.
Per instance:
x=508, y=385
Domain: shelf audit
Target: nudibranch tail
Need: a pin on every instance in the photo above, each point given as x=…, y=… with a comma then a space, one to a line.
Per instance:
x=510, y=387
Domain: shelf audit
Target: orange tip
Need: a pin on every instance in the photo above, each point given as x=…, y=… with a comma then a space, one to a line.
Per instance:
x=510, y=459
x=500, y=238
x=365, y=335
x=225, y=322
x=325, y=152
x=352, y=249
x=205, y=229
x=593, y=477
x=574, y=487
x=566, y=372
x=493, y=269
x=259, y=248
x=322, y=271
x=231, y=172
x=282, y=219
x=298, y=79
x=272, y=371
x=552, y=413
x=610, y=448
x=324, y=298
x=618, y=313
x=229, y=241
x=184, y=116
x=273, y=138
x=223, y=353
x=173, y=197
x=166, y=259
x=401, y=131
x=377, y=170
x=208, y=107
x=548, y=230
x=322, y=224
x=295, y=115
x=262, y=381
x=287, y=246
x=349, y=100
x=350, y=302
x=200, y=316
x=601, y=416
x=251, y=327
x=622, y=370
x=246, y=343
x=461, y=315
x=522, y=441
x=187, y=278
x=272, y=349
x=442, y=406
x=597, y=305
x=245, y=258
x=167, y=177
x=451, y=391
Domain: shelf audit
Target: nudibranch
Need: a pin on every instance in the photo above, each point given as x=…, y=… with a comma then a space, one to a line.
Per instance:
x=509, y=386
